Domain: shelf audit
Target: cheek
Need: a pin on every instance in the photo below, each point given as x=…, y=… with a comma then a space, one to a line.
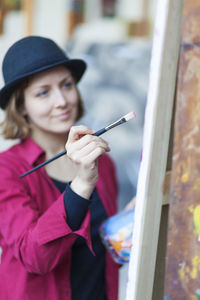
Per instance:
x=77, y=105
x=74, y=100
x=74, y=97
x=34, y=111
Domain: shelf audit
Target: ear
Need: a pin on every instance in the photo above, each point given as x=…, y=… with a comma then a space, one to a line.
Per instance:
x=23, y=112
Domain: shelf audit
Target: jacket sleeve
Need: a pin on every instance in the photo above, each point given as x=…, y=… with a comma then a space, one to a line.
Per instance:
x=38, y=241
x=76, y=208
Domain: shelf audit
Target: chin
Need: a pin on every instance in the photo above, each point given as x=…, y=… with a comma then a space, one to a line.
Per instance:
x=63, y=130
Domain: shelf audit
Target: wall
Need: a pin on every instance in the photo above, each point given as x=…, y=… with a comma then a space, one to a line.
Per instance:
x=51, y=19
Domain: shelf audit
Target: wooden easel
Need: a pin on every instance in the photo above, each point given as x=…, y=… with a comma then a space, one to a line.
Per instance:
x=146, y=282
x=182, y=280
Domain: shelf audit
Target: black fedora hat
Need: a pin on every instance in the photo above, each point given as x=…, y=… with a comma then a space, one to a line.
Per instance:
x=31, y=55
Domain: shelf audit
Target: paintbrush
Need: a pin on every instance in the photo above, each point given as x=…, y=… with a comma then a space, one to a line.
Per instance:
x=122, y=120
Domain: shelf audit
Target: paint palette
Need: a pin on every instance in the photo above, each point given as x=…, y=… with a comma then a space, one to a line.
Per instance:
x=116, y=234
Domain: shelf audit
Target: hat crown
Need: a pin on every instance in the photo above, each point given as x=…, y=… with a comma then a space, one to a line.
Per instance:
x=28, y=55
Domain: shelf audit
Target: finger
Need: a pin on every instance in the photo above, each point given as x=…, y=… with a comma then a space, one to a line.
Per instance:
x=89, y=148
x=131, y=204
x=90, y=159
x=78, y=131
x=85, y=141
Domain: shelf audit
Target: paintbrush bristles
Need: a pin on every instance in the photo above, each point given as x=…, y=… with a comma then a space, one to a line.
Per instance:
x=129, y=116
x=122, y=120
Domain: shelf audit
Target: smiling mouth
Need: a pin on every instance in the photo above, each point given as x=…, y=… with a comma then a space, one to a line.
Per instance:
x=63, y=116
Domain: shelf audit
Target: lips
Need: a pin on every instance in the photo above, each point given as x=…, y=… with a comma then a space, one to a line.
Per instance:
x=63, y=116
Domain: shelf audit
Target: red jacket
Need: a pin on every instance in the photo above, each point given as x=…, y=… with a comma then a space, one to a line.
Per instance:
x=34, y=235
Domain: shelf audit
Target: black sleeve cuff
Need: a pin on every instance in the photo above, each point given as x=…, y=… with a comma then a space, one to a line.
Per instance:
x=76, y=208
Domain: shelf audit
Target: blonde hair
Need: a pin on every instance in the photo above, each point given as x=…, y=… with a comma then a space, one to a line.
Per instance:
x=15, y=125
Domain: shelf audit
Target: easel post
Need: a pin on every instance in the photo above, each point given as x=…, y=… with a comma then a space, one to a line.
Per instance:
x=155, y=149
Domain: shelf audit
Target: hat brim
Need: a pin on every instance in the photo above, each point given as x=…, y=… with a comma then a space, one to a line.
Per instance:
x=76, y=66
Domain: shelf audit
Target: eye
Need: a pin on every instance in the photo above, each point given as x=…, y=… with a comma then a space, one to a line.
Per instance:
x=67, y=85
x=43, y=93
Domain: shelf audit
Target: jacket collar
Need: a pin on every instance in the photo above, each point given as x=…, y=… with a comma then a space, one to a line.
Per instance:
x=34, y=153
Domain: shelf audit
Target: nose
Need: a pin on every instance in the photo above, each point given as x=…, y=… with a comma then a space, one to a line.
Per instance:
x=59, y=98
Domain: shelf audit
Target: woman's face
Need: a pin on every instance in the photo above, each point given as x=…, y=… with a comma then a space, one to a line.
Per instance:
x=51, y=102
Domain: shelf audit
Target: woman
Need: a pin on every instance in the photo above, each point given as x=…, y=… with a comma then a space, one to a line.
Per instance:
x=49, y=219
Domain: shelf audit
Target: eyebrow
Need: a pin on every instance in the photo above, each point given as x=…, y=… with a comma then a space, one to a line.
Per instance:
x=66, y=78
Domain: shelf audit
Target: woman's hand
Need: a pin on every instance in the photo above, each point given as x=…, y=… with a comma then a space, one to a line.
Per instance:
x=130, y=204
x=83, y=148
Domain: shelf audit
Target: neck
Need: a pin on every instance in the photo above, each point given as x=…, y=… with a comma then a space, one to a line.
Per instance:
x=51, y=143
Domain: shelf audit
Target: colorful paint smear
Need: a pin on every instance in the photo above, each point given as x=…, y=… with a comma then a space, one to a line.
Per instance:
x=198, y=294
x=196, y=219
x=190, y=271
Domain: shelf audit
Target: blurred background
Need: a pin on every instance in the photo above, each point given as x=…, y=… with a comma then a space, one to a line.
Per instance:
x=114, y=37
